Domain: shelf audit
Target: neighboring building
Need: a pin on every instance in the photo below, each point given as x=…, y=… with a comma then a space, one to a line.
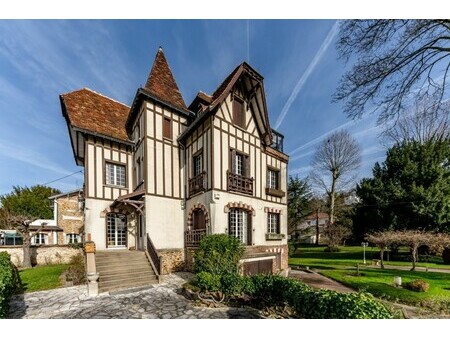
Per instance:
x=159, y=174
x=66, y=227
x=305, y=231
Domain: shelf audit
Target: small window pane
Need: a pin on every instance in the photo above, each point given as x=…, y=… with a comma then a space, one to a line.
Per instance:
x=273, y=223
x=115, y=174
x=239, y=168
x=197, y=165
x=238, y=224
x=273, y=179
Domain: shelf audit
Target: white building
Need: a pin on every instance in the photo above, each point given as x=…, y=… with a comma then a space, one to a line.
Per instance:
x=159, y=174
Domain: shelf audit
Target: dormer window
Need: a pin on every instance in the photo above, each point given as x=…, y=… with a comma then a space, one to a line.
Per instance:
x=238, y=112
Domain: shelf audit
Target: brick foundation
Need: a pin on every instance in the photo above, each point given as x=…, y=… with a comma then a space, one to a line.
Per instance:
x=280, y=251
x=171, y=260
x=190, y=253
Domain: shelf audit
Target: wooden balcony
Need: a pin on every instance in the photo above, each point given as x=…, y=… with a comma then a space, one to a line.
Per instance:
x=197, y=184
x=193, y=237
x=240, y=183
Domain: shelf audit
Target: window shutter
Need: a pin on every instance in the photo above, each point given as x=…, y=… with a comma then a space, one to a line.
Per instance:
x=247, y=166
x=167, y=130
x=249, y=228
x=233, y=161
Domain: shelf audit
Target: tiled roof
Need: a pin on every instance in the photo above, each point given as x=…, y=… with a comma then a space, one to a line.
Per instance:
x=161, y=82
x=96, y=113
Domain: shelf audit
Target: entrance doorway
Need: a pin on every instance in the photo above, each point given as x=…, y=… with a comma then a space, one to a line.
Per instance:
x=116, y=230
x=199, y=220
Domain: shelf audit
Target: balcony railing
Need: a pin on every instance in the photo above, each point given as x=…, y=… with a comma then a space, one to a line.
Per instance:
x=240, y=183
x=197, y=184
x=193, y=237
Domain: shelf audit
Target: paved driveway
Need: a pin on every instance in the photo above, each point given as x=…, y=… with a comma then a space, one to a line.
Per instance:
x=159, y=301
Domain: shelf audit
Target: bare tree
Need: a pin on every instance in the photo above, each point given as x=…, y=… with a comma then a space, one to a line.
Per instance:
x=394, y=60
x=20, y=223
x=383, y=240
x=426, y=122
x=335, y=161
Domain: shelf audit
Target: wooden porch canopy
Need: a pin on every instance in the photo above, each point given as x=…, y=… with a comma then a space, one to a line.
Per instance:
x=132, y=199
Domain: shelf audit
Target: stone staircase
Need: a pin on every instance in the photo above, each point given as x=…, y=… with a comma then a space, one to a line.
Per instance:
x=123, y=269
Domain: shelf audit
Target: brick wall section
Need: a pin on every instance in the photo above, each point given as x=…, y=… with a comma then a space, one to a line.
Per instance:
x=171, y=261
x=280, y=251
x=68, y=206
x=42, y=255
x=190, y=252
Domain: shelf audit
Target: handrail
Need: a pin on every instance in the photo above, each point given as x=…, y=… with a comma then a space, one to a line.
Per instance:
x=155, y=259
x=193, y=237
x=240, y=183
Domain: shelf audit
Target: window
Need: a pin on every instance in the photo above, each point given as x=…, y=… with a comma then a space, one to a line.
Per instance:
x=239, y=164
x=40, y=238
x=198, y=164
x=72, y=238
x=238, y=225
x=167, y=128
x=115, y=174
x=272, y=179
x=273, y=224
x=238, y=112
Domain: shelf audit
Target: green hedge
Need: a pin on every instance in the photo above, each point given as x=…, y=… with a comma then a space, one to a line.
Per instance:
x=9, y=282
x=307, y=302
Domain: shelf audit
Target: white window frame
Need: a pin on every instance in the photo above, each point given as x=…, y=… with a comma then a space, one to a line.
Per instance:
x=70, y=238
x=198, y=164
x=238, y=224
x=239, y=165
x=273, y=223
x=40, y=239
x=273, y=179
x=114, y=176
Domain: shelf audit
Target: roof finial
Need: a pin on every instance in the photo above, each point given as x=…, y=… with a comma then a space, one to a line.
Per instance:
x=160, y=49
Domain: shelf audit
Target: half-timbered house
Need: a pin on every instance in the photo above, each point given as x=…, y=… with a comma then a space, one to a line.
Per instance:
x=159, y=175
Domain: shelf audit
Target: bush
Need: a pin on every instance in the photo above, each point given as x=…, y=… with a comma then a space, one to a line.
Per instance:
x=9, y=282
x=332, y=249
x=218, y=254
x=76, y=273
x=310, y=303
x=291, y=248
x=418, y=285
x=446, y=255
x=207, y=281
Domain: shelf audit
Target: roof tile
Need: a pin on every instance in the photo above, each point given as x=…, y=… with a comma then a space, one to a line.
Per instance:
x=97, y=113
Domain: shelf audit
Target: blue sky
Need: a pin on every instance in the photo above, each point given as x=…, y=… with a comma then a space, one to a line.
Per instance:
x=41, y=59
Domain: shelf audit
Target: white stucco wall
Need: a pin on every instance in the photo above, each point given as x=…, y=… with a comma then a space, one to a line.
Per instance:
x=165, y=222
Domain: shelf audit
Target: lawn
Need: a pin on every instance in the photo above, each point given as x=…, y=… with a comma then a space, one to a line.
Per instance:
x=316, y=257
x=340, y=266
x=42, y=277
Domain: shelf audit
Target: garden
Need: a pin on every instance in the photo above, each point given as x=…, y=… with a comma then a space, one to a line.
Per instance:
x=346, y=266
x=217, y=280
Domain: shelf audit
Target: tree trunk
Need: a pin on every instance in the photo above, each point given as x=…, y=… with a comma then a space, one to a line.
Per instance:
x=414, y=258
x=317, y=227
x=332, y=198
x=381, y=258
x=26, y=250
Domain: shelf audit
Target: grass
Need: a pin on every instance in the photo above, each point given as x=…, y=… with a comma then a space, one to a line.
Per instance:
x=340, y=266
x=42, y=277
x=316, y=257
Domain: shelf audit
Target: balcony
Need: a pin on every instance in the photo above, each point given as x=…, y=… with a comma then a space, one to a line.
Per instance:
x=240, y=183
x=193, y=237
x=197, y=184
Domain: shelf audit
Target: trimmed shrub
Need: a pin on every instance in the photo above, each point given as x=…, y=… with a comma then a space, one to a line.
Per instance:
x=207, y=281
x=332, y=249
x=218, y=254
x=9, y=282
x=446, y=255
x=320, y=304
x=233, y=284
x=418, y=285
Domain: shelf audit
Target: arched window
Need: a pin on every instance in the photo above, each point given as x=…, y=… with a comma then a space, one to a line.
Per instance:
x=239, y=225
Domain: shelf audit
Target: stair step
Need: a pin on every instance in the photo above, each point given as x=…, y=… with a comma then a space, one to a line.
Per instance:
x=126, y=275
x=108, y=272
x=113, y=265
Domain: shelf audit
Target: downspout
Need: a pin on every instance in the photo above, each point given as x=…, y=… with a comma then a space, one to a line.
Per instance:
x=184, y=186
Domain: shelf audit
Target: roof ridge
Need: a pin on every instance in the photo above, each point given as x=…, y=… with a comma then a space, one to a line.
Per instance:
x=105, y=96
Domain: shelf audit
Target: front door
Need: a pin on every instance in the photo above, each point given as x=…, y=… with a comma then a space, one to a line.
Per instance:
x=199, y=220
x=116, y=232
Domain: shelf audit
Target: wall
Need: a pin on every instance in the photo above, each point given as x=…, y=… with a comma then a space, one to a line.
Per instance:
x=69, y=217
x=42, y=255
x=171, y=261
x=163, y=156
x=164, y=222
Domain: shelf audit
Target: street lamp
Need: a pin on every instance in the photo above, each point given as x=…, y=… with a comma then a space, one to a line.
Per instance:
x=364, y=244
